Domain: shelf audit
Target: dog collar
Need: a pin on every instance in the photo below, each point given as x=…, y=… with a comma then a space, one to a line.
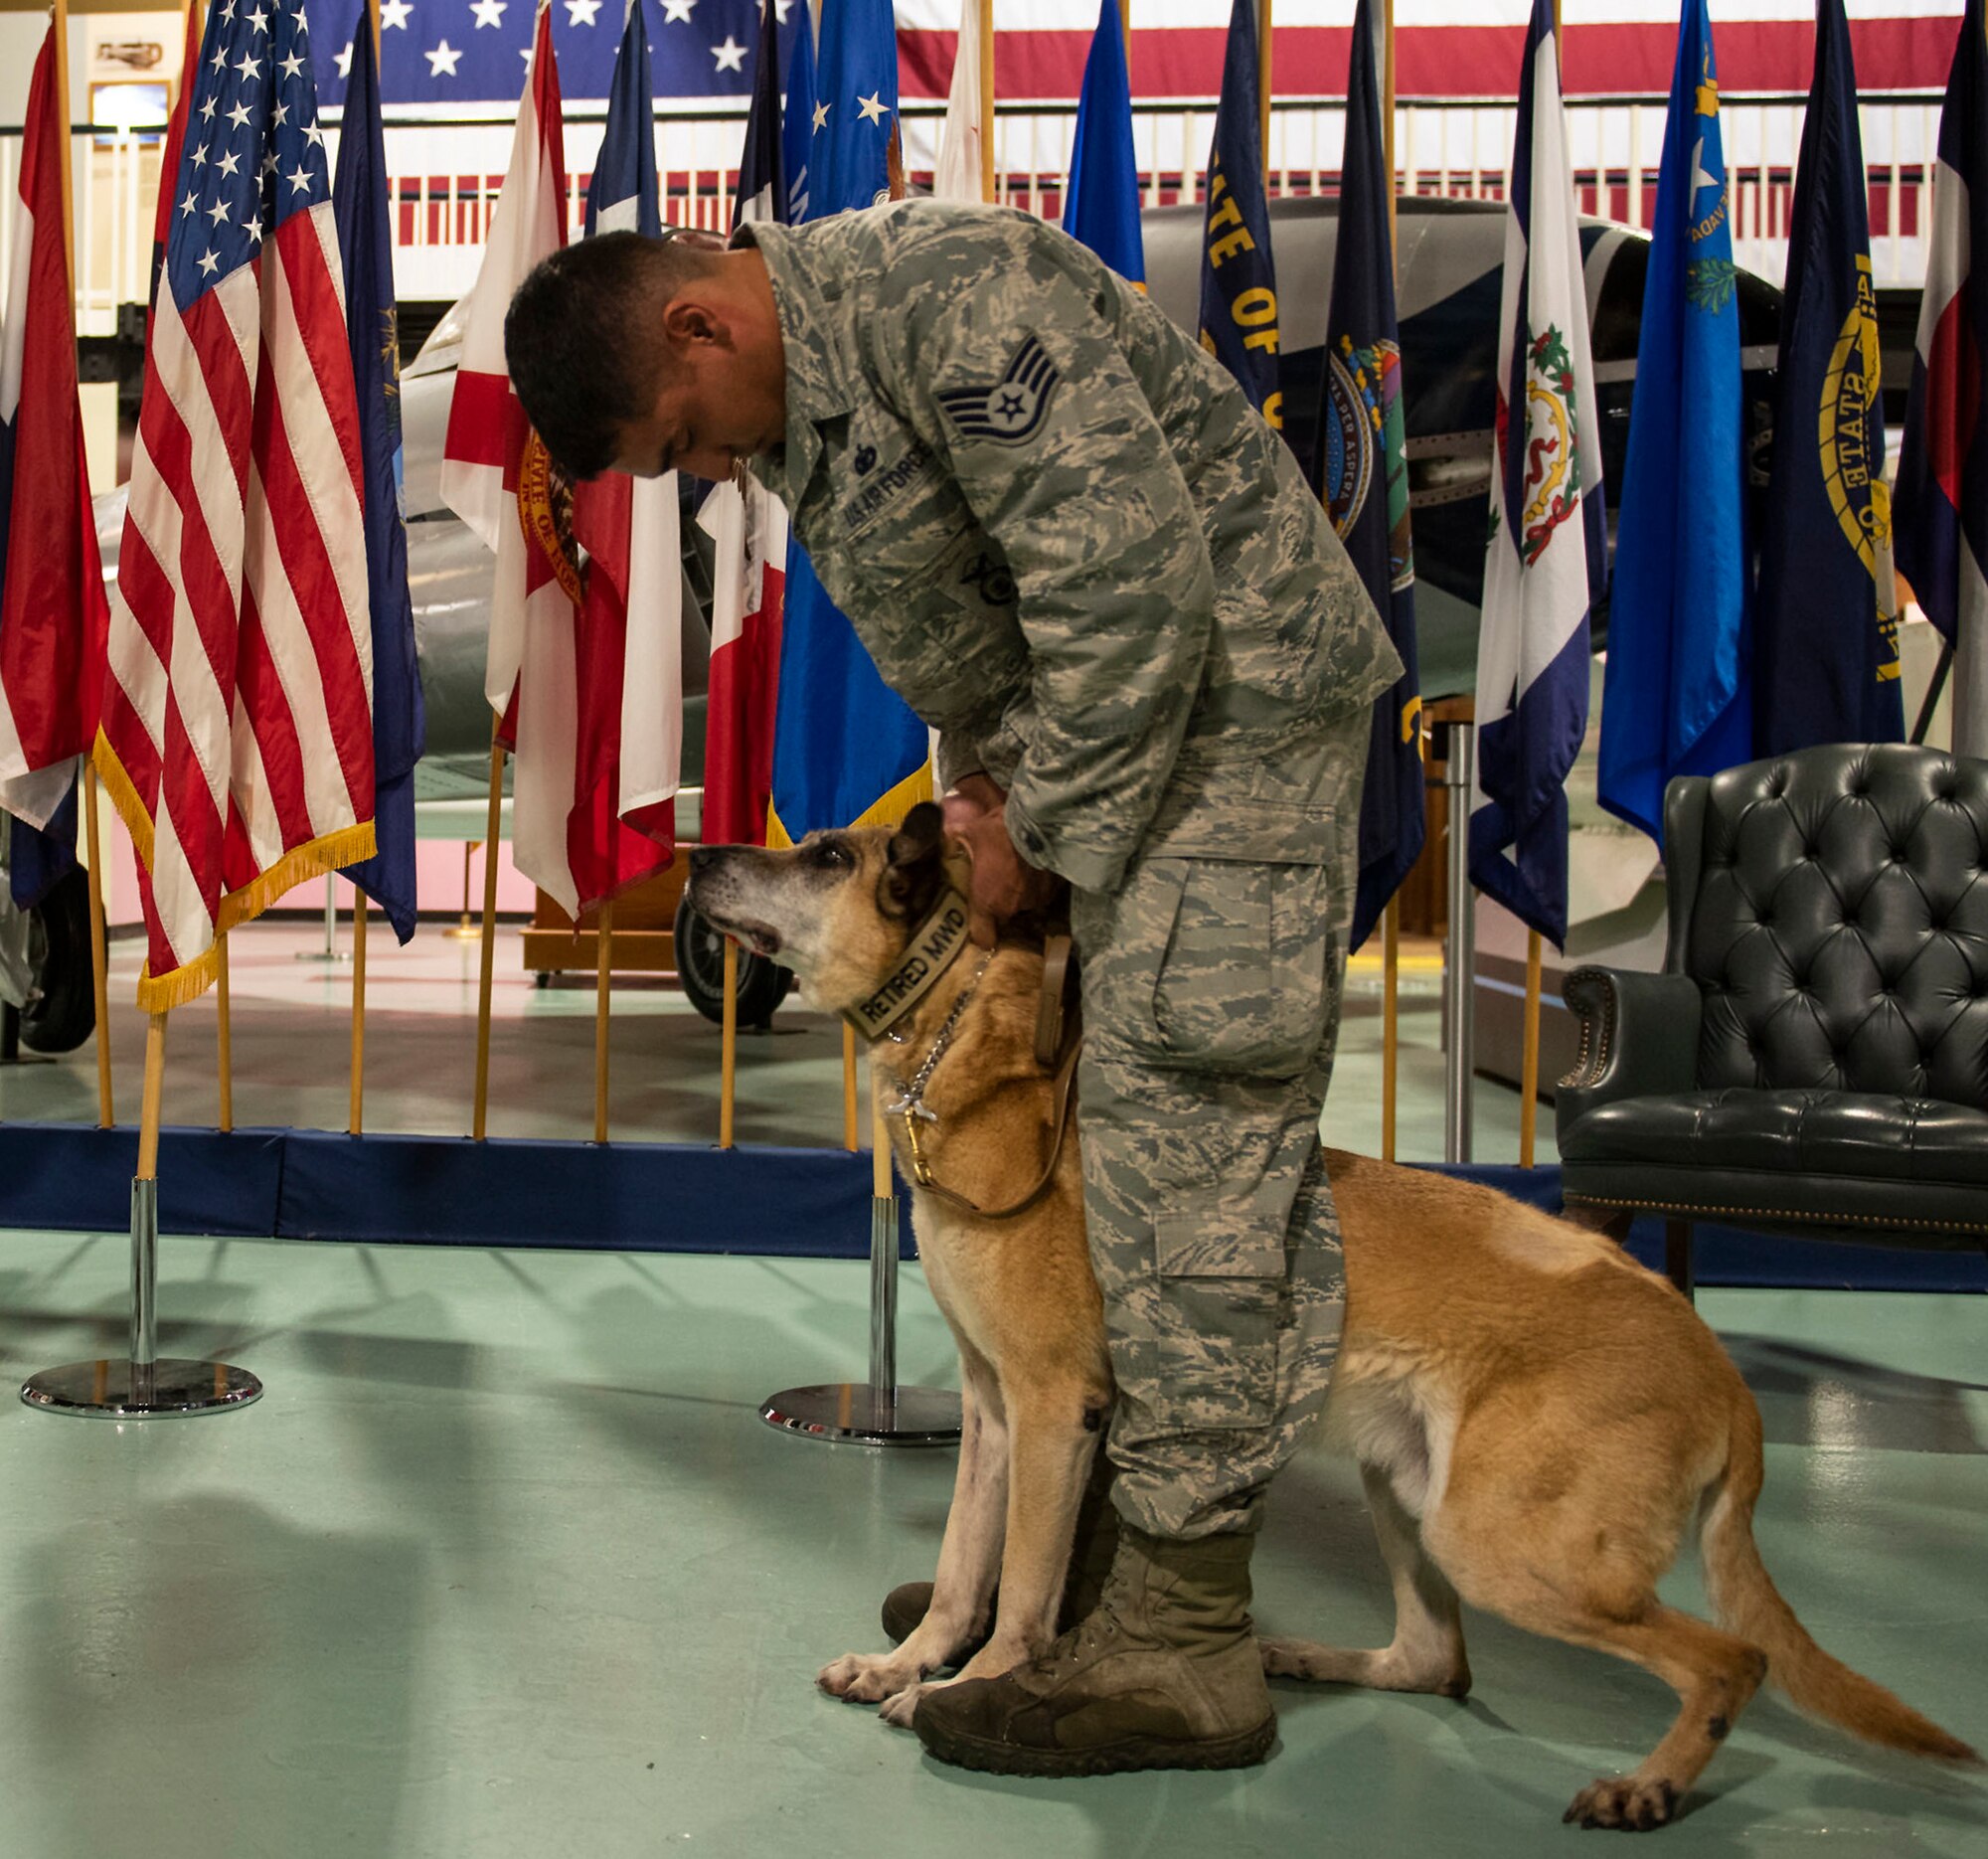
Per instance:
x=933, y=946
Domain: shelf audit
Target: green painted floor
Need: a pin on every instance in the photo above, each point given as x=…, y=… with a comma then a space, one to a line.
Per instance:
x=504, y=1564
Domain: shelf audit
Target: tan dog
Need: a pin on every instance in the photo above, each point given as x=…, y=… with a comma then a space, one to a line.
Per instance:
x=1538, y=1419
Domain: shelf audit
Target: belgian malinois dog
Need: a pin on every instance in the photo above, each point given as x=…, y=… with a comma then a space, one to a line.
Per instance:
x=1538, y=1419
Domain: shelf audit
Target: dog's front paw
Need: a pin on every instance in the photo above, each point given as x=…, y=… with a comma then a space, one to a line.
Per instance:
x=1625, y=1803
x=867, y=1677
x=898, y=1711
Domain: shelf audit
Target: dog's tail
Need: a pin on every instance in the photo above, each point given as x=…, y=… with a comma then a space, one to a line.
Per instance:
x=1748, y=1605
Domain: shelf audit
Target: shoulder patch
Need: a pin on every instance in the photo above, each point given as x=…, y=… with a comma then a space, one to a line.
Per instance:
x=1012, y=409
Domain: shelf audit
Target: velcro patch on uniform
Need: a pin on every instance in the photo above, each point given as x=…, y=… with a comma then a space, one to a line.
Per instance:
x=1013, y=408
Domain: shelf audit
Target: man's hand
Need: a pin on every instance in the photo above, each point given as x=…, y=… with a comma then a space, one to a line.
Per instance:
x=1004, y=884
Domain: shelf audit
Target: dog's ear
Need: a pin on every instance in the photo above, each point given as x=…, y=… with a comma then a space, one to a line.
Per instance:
x=914, y=863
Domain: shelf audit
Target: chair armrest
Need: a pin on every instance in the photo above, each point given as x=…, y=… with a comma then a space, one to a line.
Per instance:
x=1638, y=1037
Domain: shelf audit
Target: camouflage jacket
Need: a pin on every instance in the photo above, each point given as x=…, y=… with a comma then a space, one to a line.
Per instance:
x=1061, y=532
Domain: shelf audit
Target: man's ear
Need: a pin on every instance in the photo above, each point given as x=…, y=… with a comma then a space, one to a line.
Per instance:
x=915, y=864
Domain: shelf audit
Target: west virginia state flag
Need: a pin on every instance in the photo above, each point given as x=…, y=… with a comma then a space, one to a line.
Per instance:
x=1360, y=474
x=847, y=749
x=1826, y=626
x=1679, y=694
x=1238, y=283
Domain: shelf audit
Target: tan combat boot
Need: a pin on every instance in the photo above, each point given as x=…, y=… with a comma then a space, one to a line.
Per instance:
x=1165, y=1673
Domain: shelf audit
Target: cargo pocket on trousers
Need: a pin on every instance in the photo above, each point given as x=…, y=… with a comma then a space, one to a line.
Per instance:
x=1220, y=1295
x=1243, y=985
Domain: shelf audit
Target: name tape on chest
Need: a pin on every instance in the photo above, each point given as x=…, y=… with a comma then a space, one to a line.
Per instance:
x=879, y=487
x=1012, y=409
x=926, y=956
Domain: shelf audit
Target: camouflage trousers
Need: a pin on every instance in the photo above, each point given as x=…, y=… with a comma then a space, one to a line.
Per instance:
x=1212, y=990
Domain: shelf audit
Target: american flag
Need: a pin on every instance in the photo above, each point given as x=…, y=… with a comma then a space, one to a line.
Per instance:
x=237, y=734
x=463, y=51
x=454, y=53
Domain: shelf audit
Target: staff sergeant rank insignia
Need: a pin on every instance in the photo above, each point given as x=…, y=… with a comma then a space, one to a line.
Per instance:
x=1012, y=409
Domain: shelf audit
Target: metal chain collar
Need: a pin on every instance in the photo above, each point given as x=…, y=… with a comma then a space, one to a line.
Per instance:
x=910, y=1103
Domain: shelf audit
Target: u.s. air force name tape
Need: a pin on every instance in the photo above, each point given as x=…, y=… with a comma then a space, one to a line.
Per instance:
x=927, y=955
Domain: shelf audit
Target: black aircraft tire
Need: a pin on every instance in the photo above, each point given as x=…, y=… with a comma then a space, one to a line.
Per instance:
x=700, y=949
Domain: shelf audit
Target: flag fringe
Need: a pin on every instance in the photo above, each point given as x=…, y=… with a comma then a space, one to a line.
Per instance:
x=888, y=811
x=124, y=797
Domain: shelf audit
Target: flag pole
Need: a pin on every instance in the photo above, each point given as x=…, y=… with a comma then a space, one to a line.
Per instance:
x=987, y=99
x=223, y=1034
x=480, y=1113
x=604, y=970
x=1529, y=1065
x=143, y=1384
x=728, y=1080
x=356, y=1121
x=99, y=978
x=1391, y=920
x=849, y=1088
x=1262, y=87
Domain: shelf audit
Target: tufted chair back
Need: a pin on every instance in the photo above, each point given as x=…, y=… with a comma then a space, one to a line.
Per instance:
x=1832, y=906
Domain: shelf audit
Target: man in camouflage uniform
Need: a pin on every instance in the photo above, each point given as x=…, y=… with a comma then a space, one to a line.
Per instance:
x=1073, y=547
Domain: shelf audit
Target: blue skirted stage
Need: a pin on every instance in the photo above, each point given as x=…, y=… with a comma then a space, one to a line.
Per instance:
x=298, y=1184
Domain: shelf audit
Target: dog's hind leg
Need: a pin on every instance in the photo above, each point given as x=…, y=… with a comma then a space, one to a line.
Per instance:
x=1050, y=1453
x=1582, y=1565
x=1428, y=1649
x=969, y=1557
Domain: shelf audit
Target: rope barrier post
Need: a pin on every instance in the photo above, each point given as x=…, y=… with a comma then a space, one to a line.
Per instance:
x=482, y=1112
x=604, y=966
x=356, y=1123
x=879, y=1411
x=1459, y=952
x=144, y=1383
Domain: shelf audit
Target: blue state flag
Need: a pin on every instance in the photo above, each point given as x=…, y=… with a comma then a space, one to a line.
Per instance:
x=622, y=196
x=400, y=724
x=847, y=749
x=797, y=128
x=1101, y=204
x=762, y=193
x=1678, y=694
x=40, y=857
x=1360, y=474
x=1238, y=283
x=1826, y=625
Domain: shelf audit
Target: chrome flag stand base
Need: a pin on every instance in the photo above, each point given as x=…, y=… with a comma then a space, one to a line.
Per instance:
x=144, y=1385
x=879, y=1411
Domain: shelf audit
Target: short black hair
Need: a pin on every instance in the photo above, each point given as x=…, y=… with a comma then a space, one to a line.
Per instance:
x=582, y=342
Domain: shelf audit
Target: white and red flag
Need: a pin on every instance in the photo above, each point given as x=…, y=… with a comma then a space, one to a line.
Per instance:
x=53, y=610
x=238, y=726
x=748, y=581
x=551, y=679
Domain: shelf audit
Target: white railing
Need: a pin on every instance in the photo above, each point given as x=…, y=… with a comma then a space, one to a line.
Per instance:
x=446, y=177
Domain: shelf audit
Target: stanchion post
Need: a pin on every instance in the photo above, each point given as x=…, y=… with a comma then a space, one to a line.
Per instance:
x=604, y=964
x=480, y=1113
x=1529, y=1064
x=1459, y=955
x=879, y=1411
x=224, y=1035
x=356, y=1121
x=728, y=1063
x=143, y=1385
